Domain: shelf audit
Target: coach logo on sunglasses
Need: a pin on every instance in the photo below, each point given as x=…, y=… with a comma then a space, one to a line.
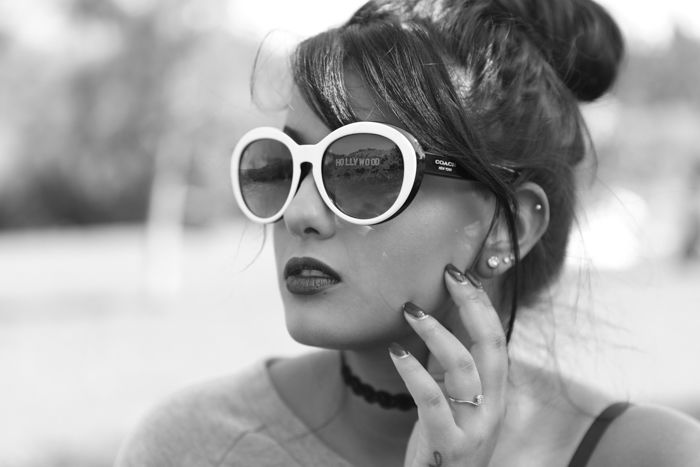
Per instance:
x=447, y=166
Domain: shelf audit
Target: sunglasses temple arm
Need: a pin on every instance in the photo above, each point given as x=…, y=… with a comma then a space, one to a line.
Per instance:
x=446, y=166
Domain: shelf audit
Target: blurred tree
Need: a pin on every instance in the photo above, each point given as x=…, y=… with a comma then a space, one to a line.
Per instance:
x=663, y=76
x=91, y=122
x=656, y=135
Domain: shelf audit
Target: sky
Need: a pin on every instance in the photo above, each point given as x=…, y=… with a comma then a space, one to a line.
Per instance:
x=40, y=25
x=645, y=22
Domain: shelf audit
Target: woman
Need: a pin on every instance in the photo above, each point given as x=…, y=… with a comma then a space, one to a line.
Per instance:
x=422, y=192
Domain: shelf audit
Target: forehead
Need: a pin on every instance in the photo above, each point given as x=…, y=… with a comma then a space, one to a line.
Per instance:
x=302, y=118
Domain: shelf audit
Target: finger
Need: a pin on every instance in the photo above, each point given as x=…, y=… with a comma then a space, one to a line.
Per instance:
x=481, y=321
x=461, y=375
x=433, y=409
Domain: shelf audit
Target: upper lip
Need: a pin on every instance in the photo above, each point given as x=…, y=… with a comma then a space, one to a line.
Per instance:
x=296, y=265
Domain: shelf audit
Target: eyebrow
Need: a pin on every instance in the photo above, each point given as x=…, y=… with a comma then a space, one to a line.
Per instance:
x=294, y=134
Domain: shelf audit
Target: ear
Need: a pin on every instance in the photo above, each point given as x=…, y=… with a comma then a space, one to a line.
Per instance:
x=531, y=223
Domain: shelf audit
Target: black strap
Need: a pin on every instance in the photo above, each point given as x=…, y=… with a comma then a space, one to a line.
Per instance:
x=595, y=432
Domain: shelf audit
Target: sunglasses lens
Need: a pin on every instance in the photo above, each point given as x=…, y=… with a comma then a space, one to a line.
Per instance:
x=363, y=174
x=265, y=176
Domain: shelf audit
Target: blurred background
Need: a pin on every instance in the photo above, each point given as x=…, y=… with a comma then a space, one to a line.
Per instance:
x=126, y=271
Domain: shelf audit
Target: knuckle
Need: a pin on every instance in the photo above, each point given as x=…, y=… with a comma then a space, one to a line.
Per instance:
x=466, y=363
x=432, y=328
x=433, y=400
x=413, y=369
x=497, y=341
x=470, y=294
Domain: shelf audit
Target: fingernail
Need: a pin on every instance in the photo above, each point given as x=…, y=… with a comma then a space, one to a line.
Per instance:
x=455, y=273
x=397, y=351
x=473, y=279
x=414, y=311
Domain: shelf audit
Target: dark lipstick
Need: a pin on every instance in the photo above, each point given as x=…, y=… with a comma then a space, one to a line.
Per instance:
x=308, y=276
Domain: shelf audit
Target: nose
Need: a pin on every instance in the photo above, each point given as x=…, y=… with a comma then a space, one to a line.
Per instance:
x=307, y=215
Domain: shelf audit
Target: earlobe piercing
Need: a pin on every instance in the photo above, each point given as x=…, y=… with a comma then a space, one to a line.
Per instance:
x=538, y=207
x=494, y=261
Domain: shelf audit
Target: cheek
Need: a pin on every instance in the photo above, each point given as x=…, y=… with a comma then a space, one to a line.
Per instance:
x=279, y=241
x=404, y=259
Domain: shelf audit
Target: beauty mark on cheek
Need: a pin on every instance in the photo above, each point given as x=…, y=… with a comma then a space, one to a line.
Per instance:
x=471, y=237
x=473, y=230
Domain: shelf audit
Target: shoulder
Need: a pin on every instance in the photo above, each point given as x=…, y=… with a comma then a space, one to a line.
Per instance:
x=644, y=435
x=195, y=426
x=650, y=436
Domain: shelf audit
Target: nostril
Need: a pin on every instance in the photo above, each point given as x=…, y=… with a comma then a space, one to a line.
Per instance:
x=311, y=231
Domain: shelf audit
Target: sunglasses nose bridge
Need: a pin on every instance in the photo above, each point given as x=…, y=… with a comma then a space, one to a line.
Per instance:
x=306, y=154
x=308, y=211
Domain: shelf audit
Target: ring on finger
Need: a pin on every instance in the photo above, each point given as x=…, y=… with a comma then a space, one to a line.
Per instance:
x=476, y=401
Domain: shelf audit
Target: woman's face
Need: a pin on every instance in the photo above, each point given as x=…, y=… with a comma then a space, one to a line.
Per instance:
x=378, y=268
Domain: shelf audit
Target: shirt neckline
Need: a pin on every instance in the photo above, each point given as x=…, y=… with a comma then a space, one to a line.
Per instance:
x=282, y=423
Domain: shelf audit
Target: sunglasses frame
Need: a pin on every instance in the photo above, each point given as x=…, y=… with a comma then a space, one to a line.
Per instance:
x=414, y=161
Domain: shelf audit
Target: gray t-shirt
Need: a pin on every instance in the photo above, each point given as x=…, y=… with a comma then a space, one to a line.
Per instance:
x=233, y=421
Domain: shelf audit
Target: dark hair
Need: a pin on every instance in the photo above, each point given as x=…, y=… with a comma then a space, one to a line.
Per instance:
x=482, y=81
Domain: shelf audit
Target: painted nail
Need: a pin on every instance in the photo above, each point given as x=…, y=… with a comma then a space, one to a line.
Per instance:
x=455, y=273
x=413, y=311
x=398, y=351
x=473, y=279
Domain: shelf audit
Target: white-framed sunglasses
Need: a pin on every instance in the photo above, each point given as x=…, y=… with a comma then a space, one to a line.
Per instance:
x=365, y=172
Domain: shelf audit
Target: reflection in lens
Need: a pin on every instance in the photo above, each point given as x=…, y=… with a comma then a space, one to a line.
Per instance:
x=265, y=176
x=363, y=174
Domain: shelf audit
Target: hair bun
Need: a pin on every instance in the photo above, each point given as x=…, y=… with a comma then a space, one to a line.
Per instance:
x=579, y=39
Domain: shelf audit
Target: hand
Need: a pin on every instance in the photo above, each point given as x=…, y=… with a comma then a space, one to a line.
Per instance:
x=450, y=433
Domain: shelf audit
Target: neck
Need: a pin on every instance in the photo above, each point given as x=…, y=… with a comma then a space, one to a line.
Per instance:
x=374, y=367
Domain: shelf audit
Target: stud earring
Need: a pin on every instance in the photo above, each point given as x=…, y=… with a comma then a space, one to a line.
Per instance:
x=493, y=262
x=538, y=207
x=508, y=259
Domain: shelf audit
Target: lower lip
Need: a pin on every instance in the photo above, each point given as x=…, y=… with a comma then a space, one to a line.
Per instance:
x=309, y=285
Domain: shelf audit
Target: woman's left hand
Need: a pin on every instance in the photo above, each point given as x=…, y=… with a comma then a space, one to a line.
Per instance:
x=450, y=431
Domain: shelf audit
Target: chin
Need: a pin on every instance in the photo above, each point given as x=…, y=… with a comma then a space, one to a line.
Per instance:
x=318, y=328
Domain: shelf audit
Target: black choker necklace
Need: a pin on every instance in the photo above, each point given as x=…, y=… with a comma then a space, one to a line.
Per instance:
x=401, y=401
